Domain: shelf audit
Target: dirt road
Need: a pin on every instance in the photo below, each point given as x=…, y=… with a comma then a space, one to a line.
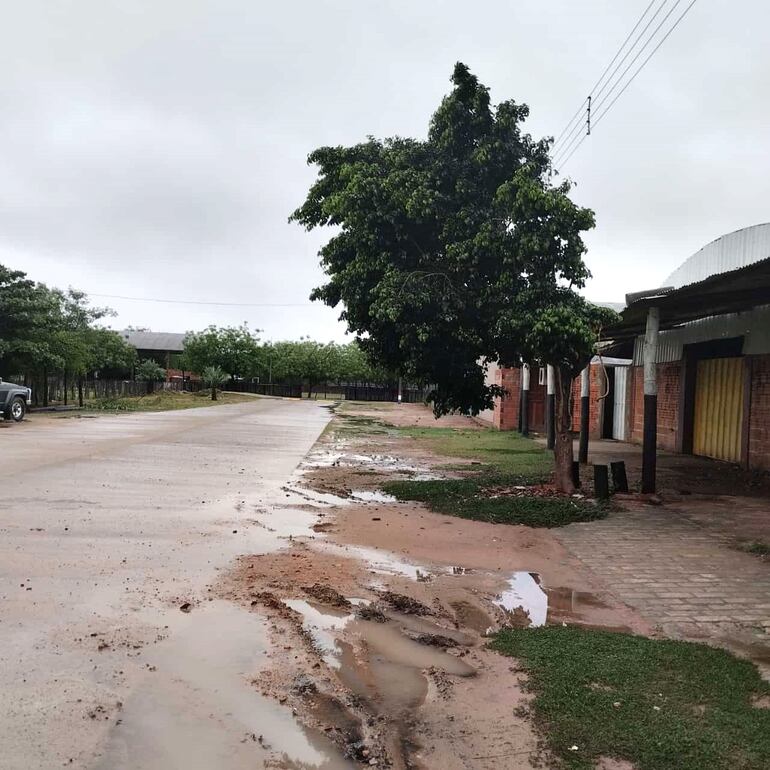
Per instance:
x=110, y=526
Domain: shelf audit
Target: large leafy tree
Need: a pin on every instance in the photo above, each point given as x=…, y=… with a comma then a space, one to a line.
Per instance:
x=234, y=349
x=456, y=251
x=44, y=330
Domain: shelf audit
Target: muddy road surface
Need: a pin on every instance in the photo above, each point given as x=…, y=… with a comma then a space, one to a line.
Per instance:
x=229, y=588
x=113, y=652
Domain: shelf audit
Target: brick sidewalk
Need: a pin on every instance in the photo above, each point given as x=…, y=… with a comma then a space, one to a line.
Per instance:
x=681, y=576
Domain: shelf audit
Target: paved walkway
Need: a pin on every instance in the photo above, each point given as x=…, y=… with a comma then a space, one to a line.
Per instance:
x=684, y=576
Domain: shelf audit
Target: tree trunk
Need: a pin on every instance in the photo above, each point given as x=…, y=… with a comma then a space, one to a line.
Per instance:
x=213, y=392
x=80, y=392
x=563, y=455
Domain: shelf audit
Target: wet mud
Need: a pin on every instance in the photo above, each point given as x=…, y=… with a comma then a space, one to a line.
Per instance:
x=378, y=613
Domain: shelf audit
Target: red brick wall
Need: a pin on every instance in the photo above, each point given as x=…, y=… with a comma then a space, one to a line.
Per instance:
x=596, y=388
x=759, y=413
x=536, y=402
x=506, y=414
x=669, y=384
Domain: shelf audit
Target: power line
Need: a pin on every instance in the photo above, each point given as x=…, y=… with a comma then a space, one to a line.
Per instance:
x=631, y=80
x=638, y=38
x=580, y=109
x=202, y=302
x=639, y=53
x=567, y=153
x=579, y=112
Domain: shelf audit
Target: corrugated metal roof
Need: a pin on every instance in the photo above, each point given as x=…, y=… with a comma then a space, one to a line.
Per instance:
x=753, y=326
x=728, y=252
x=167, y=341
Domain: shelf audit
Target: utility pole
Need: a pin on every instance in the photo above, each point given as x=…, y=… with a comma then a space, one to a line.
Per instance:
x=650, y=434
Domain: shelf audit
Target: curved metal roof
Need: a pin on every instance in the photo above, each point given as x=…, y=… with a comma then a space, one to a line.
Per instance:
x=728, y=252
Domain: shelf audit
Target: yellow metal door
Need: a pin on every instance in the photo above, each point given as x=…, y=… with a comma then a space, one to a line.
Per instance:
x=718, y=408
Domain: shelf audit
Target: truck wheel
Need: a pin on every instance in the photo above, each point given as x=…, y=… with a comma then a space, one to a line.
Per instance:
x=17, y=409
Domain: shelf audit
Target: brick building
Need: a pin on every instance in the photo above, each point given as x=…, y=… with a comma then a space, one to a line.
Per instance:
x=711, y=360
x=711, y=338
x=607, y=398
x=165, y=348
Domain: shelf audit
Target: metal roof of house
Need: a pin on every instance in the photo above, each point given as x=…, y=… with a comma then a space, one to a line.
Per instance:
x=728, y=252
x=738, y=290
x=166, y=341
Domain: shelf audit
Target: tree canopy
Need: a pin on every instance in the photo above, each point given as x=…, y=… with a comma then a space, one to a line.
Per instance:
x=49, y=329
x=455, y=250
x=234, y=349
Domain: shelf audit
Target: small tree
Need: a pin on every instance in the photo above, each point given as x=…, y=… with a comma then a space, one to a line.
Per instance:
x=150, y=371
x=213, y=377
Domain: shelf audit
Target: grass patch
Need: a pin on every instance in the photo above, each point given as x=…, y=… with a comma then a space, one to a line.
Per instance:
x=164, y=400
x=756, y=547
x=480, y=498
x=501, y=460
x=505, y=451
x=660, y=704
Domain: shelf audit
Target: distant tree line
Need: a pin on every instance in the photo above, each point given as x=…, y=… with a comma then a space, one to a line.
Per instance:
x=47, y=332
x=239, y=353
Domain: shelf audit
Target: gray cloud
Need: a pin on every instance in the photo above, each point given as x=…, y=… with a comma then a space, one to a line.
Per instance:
x=156, y=149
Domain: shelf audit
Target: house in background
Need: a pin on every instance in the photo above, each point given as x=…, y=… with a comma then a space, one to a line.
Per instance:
x=607, y=392
x=707, y=352
x=165, y=348
x=709, y=348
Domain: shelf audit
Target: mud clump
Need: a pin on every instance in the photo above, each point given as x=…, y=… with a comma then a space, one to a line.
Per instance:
x=327, y=595
x=267, y=599
x=405, y=604
x=434, y=640
x=303, y=685
x=518, y=617
x=371, y=612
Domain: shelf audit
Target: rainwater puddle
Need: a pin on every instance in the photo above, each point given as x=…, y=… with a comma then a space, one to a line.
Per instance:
x=321, y=622
x=287, y=522
x=382, y=463
x=369, y=496
x=524, y=592
x=381, y=562
x=196, y=709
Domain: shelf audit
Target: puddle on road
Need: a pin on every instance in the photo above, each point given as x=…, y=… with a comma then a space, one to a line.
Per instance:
x=320, y=622
x=197, y=709
x=377, y=661
x=369, y=496
x=524, y=593
x=380, y=463
x=381, y=562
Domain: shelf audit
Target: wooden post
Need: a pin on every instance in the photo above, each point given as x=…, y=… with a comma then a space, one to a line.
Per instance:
x=525, y=400
x=650, y=434
x=619, y=477
x=585, y=406
x=601, y=482
x=80, y=391
x=550, y=407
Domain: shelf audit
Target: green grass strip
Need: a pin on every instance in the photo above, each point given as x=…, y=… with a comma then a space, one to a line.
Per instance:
x=659, y=704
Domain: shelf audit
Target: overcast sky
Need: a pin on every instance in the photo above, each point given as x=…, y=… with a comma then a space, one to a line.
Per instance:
x=155, y=148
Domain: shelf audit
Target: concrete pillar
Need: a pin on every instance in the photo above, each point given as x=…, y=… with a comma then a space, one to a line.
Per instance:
x=650, y=435
x=585, y=412
x=525, y=400
x=550, y=407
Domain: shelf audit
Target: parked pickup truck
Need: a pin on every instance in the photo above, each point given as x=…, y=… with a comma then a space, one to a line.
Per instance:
x=14, y=400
